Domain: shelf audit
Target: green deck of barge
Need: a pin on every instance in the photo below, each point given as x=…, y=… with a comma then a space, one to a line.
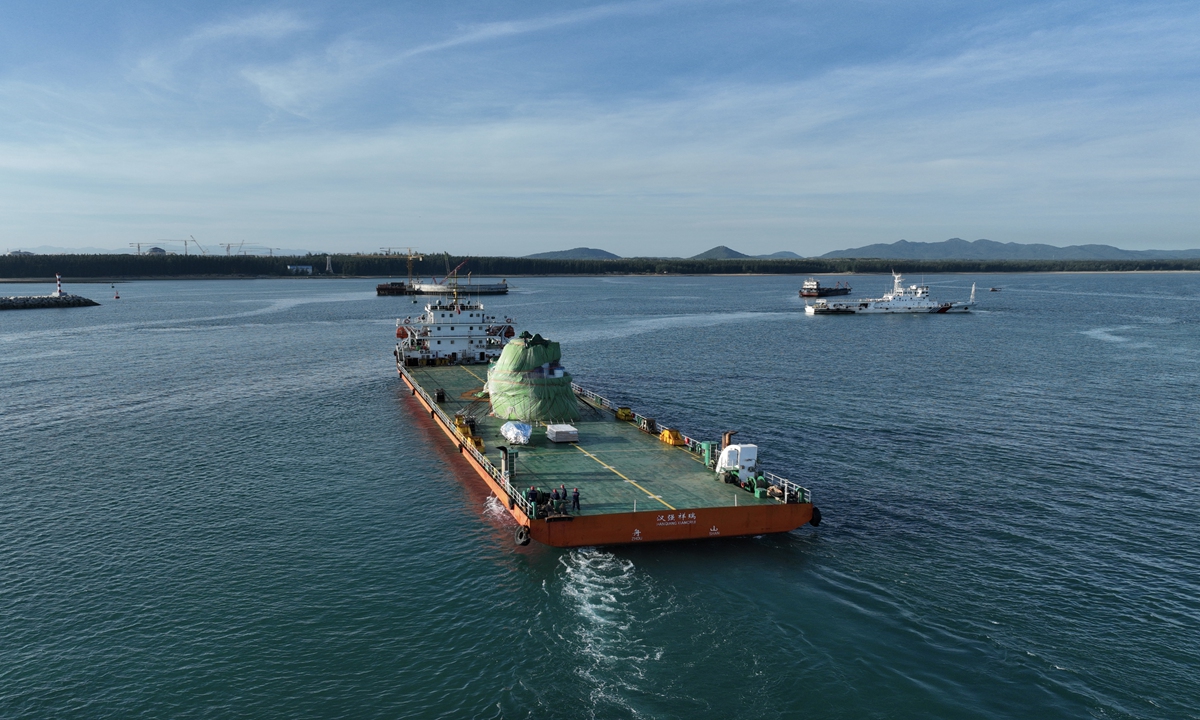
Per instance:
x=616, y=466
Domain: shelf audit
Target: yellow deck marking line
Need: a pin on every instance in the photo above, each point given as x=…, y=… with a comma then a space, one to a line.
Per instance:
x=474, y=375
x=613, y=470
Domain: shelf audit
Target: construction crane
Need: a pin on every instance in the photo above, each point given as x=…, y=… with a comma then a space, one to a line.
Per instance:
x=258, y=250
x=138, y=245
x=230, y=246
x=411, y=256
x=196, y=243
x=185, y=243
x=451, y=273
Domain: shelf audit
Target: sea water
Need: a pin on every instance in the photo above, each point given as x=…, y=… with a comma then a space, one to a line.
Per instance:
x=217, y=500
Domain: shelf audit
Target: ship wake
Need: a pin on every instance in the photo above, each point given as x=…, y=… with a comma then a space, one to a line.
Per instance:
x=609, y=625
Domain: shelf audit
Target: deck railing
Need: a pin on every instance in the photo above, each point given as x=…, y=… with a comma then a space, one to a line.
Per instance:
x=789, y=488
x=502, y=479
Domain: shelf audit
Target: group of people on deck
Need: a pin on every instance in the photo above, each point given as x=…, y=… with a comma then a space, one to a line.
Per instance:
x=557, y=499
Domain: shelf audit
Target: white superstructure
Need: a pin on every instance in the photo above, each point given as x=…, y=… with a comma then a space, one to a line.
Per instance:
x=452, y=331
x=911, y=299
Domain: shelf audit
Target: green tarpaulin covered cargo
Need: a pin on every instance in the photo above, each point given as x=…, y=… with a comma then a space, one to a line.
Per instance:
x=527, y=382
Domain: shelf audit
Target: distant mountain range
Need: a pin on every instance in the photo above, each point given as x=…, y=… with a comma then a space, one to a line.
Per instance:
x=173, y=248
x=952, y=249
x=721, y=252
x=959, y=249
x=579, y=253
x=55, y=250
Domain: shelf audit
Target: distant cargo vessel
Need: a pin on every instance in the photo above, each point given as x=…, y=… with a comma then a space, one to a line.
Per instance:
x=911, y=299
x=435, y=288
x=449, y=285
x=637, y=480
x=812, y=288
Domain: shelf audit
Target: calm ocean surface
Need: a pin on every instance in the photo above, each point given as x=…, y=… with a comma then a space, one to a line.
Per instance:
x=217, y=501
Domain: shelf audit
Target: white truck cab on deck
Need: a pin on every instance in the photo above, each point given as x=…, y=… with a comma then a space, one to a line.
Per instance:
x=743, y=458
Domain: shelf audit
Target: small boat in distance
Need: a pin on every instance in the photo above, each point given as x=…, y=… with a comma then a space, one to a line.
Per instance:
x=812, y=288
x=995, y=289
x=911, y=299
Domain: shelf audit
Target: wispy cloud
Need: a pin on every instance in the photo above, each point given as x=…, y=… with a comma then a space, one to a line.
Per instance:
x=268, y=27
x=492, y=31
x=260, y=26
x=302, y=83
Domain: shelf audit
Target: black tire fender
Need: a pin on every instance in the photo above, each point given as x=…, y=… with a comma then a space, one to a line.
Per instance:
x=816, y=517
x=521, y=536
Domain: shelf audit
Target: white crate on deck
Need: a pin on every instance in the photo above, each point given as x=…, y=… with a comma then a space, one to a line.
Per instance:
x=562, y=433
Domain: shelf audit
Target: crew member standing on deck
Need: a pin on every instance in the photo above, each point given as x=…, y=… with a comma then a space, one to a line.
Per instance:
x=575, y=499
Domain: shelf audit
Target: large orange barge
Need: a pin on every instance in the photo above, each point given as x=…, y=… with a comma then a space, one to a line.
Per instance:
x=636, y=480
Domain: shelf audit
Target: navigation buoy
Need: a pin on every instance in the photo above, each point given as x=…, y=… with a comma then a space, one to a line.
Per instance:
x=116, y=293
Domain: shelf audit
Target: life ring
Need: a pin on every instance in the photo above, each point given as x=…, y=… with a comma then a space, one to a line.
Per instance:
x=521, y=536
x=816, y=517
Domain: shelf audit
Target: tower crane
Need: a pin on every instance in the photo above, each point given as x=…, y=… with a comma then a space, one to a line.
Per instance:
x=411, y=256
x=184, y=241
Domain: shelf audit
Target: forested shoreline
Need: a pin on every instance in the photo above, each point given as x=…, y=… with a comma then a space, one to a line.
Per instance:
x=31, y=267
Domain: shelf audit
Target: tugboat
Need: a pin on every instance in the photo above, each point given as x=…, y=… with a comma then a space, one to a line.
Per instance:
x=911, y=299
x=812, y=288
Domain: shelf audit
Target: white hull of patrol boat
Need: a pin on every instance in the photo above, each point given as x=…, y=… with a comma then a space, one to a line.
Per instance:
x=911, y=299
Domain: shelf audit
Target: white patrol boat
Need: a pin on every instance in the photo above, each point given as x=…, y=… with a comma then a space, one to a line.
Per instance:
x=911, y=299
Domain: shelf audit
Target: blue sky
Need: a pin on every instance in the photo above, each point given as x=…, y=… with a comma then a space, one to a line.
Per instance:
x=644, y=128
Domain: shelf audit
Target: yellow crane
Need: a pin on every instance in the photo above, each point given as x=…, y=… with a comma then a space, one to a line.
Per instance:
x=409, y=253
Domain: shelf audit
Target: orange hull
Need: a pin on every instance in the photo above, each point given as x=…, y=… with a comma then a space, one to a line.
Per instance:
x=644, y=526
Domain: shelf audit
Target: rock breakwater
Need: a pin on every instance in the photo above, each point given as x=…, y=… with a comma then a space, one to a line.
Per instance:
x=37, y=302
